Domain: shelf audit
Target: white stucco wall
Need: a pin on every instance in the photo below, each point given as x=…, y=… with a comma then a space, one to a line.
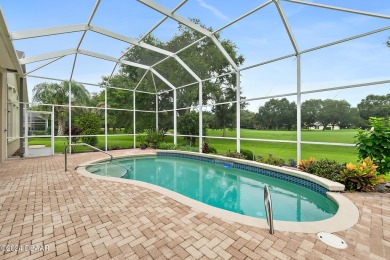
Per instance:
x=3, y=107
x=13, y=116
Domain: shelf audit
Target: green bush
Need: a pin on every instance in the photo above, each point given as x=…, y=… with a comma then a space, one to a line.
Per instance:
x=89, y=124
x=208, y=149
x=212, y=150
x=376, y=143
x=155, y=136
x=91, y=140
x=166, y=146
x=325, y=168
x=270, y=160
x=248, y=154
x=361, y=178
x=292, y=163
x=187, y=148
x=114, y=147
x=235, y=155
x=142, y=138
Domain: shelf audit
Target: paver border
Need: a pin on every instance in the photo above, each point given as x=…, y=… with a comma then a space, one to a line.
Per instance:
x=346, y=216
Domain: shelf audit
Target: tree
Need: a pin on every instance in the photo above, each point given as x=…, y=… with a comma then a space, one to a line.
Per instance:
x=204, y=58
x=342, y=113
x=277, y=113
x=58, y=94
x=225, y=114
x=352, y=119
x=188, y=124
x=374, y=106
x=310, y=110
x=333, y=112
x=119, y=97
x=248, y=119
x=289, y=115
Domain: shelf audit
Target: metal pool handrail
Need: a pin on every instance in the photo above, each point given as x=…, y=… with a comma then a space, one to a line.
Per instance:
x=90, y=146
x=268, y=209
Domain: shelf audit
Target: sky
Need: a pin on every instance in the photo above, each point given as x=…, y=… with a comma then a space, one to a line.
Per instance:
x=259, y=37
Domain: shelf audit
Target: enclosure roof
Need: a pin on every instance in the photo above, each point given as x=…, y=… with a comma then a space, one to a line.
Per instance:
x=9, y=61
x=86, y=23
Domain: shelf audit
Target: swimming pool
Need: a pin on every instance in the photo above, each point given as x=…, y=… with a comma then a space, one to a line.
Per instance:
x=221, y=184
x=346, y=216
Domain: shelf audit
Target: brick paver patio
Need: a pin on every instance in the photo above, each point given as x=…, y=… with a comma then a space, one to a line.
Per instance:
x=82, y=218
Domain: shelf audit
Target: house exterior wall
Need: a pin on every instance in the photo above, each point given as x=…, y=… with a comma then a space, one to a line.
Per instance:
x=13, y=116
x=10, y=117
x=10, y=73
x=3, y=107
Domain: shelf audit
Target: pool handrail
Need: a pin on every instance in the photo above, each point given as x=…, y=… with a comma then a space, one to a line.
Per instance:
x=90, y=146
x=268, y=209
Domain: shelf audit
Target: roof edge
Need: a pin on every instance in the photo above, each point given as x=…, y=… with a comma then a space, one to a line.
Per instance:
x=9, y=47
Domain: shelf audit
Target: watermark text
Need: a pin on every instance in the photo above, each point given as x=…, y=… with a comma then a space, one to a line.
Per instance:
x=11, y=248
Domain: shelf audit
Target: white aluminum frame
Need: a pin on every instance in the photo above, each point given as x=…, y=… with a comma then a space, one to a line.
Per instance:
x=84, y=28
x=27, y=136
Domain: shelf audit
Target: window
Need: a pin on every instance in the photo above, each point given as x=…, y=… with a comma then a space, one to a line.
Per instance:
x=12, y=114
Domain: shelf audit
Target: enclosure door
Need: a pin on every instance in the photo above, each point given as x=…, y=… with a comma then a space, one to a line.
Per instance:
x=38, y=133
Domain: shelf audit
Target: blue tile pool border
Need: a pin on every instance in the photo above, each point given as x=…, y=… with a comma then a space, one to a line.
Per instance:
x=278, y=175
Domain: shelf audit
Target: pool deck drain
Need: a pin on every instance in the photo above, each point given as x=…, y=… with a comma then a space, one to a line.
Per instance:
x=82, y=218
x=332, y=240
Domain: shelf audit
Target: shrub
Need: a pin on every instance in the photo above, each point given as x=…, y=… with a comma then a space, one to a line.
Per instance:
x=90, y=124
x=212, y=150
x=114, y=147
x=74, y=132
x=361, y=178
x=248, y=154
x=187, y=148
x=166, y=146
x=208, y=149
x=235, y=155
x=304, y=163
x=292, y=163
x=376, y=143
x=205, y=148
x=155, y=136
x=91, y=140
x=270, y=160
x=325, y=168
x=142, y=138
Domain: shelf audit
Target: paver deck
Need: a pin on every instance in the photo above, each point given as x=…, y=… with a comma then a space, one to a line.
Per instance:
x=82, y=218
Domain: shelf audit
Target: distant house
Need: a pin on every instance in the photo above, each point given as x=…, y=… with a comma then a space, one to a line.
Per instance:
x=37, y=124
x=319, y=126
x=13, y=89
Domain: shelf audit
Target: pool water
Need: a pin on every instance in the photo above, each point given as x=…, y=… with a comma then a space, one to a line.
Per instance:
x=223, y=187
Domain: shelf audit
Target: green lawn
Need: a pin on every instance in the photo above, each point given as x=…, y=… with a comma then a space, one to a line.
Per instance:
x=336, y=136
x=288, y=150
x=281, y=150
x=61, y=142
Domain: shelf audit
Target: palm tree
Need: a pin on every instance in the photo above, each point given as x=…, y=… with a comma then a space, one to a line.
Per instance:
x=58, y=94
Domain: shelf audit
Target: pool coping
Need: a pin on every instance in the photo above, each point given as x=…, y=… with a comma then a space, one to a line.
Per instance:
x=346, y=216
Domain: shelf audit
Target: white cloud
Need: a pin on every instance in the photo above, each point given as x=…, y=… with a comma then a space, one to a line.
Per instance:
x=214, y=10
